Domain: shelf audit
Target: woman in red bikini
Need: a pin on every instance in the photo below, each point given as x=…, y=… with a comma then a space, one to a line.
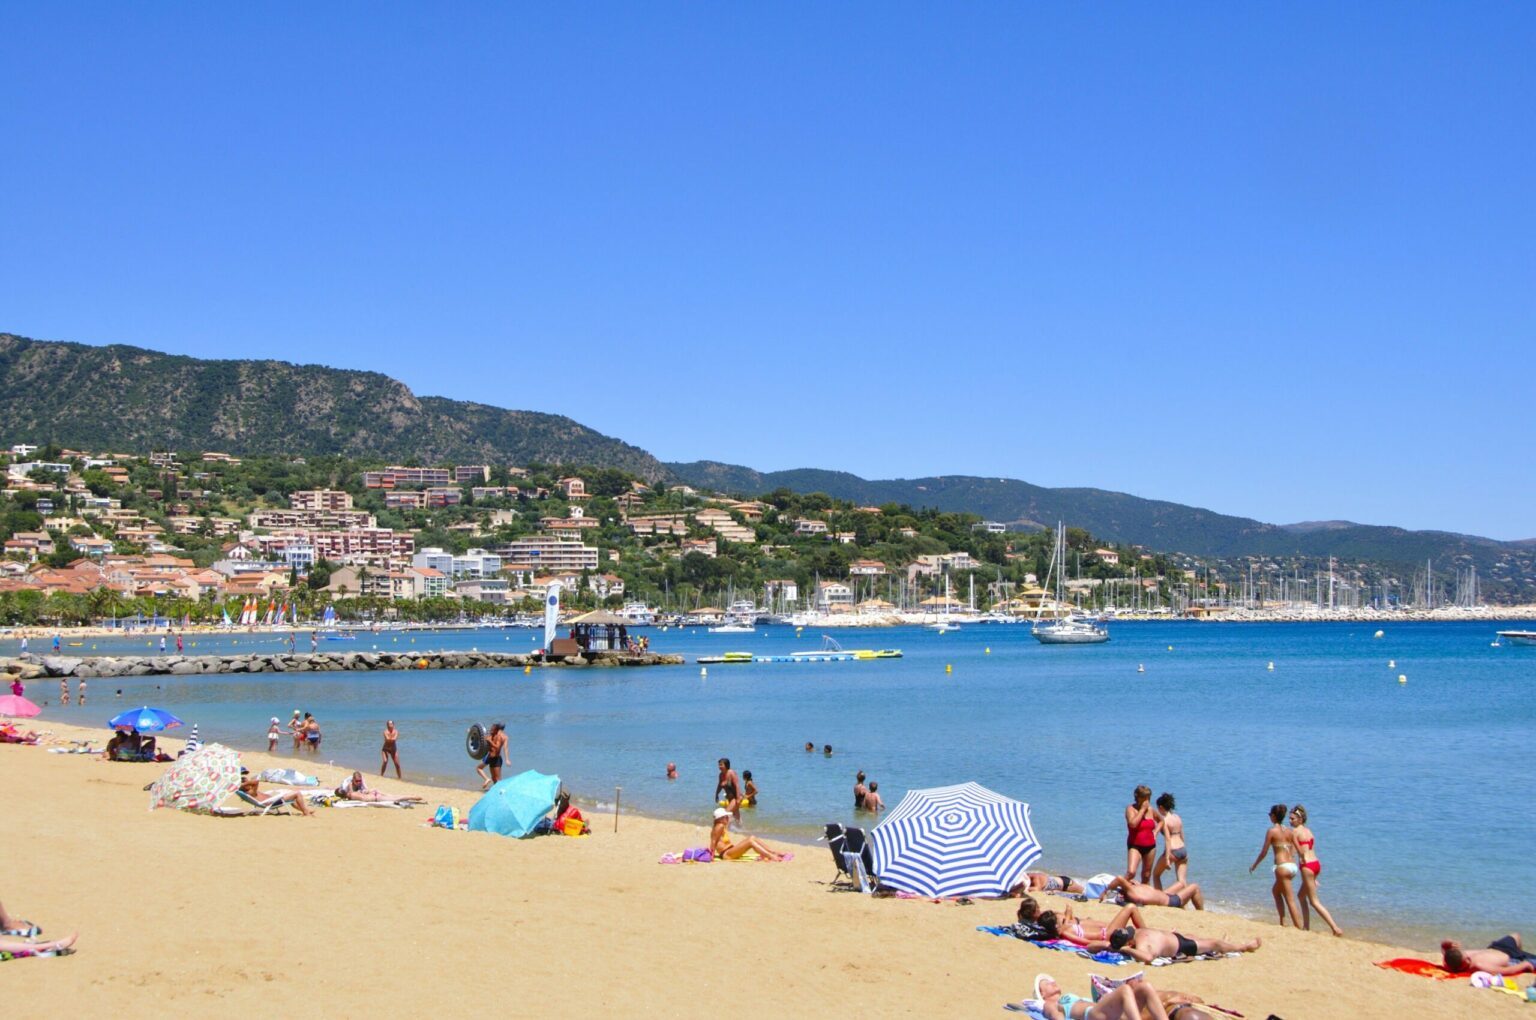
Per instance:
x=1311, y=870
x=1141, y=821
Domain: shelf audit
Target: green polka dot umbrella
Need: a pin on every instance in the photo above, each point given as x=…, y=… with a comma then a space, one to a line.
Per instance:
x=198, y=781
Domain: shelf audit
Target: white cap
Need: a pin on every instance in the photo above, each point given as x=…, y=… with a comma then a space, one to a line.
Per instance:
x=274, y=718
x=721, y=812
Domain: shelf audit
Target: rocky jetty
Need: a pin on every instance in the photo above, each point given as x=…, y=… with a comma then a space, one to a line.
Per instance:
x=39, y=667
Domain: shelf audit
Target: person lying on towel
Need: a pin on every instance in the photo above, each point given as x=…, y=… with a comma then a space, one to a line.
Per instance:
x=1505, y=957
x=1148, y=944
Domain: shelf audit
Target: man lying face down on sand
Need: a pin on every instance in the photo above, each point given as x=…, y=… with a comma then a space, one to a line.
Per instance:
x=1505, y=957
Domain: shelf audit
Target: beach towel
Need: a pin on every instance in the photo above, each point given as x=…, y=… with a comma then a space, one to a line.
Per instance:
x=24, y=954
x=367, y=803
x=1059, y=945
x=1421, y=968
x=1029, y=1007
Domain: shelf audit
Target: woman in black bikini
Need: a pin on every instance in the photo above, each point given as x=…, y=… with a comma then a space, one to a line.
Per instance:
x=1175, y=854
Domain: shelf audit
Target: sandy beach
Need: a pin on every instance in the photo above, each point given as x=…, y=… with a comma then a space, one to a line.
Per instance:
x=355, y=912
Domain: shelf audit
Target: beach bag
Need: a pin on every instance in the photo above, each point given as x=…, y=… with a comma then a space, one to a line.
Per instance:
x=570, y=822
x=446, y=817
x=699, y=856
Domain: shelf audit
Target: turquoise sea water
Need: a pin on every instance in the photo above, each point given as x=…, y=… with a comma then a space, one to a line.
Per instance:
x=1419, y=793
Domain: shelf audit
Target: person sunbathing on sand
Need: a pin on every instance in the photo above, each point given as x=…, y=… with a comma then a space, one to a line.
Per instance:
x=252, y=787
x=721, y=845
x=1082, y=930
x=1177, y=896
x=1130, y=1001
x=11, y=735
x=16, y=937
x=1148, y=944
x=1505, y=957
x=1039, y=881
x=356, y=789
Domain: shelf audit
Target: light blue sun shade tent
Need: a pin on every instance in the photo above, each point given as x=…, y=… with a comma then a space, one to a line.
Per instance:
x=514, y=806
x=960, y=840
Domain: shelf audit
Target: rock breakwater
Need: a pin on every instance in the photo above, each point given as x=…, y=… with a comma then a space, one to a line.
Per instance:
x=45, y=666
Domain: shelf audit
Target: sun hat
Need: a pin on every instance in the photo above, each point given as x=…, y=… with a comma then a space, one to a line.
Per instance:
x=1041, y=979
x=721, y=812
x=274, y=718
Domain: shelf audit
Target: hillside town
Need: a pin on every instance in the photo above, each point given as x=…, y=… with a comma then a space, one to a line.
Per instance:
x=96, y=535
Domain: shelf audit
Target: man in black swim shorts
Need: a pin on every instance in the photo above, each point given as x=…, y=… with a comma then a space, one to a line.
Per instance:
x=1148, y=944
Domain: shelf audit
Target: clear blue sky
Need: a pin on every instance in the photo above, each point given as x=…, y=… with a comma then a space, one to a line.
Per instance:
x=1278, y=261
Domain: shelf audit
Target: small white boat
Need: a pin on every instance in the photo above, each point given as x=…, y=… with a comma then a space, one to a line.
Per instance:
x=1069, y=632
x=1519, y=637
x=733, y=628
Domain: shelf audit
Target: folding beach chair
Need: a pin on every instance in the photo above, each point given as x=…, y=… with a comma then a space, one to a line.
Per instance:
x=273, y=805
x=836, y=836
x=859, y=859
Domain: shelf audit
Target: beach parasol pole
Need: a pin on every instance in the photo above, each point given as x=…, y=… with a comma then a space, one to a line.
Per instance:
x=616, y=791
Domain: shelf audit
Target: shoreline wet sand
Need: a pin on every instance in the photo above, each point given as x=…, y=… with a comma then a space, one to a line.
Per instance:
x=353, y=912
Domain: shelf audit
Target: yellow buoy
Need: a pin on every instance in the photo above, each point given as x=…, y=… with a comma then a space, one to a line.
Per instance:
x=1401, y=678
x=421, y=663
x=948, y=668
x=527, y=670
x=989, y=651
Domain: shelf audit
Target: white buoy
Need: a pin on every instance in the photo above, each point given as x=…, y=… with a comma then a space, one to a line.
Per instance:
x=1401, y=678
x=1141, y=667
x=1391, y=663
x=1381, y=634
x=1271, y=667
x=1494, y=644
x=703, y=671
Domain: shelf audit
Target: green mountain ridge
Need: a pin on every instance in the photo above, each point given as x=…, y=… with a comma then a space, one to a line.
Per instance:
x=1155, y=524
x=129, y=397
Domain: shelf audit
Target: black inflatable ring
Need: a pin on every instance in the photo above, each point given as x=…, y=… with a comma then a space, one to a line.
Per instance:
x=475, y=743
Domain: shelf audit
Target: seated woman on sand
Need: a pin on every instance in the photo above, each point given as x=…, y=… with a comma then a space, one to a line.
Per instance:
x=251, y=786
x=721, y=845
x=356, y=789
x=1176, y=896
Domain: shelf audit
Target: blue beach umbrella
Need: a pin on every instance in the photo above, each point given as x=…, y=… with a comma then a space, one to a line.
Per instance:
x=145, y=720
x=514, y=806
x=960, y=840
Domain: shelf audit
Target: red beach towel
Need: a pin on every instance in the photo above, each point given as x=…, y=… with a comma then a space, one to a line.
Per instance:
x=1422, y=968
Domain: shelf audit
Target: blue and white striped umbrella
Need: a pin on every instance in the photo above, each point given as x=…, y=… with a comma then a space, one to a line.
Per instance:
x=960, y=840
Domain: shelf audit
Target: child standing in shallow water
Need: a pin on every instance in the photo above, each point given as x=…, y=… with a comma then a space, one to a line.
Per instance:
x=274, y=733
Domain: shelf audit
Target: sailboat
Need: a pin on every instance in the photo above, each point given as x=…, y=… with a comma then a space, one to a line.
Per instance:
x=945, y=624
x=1070, y=630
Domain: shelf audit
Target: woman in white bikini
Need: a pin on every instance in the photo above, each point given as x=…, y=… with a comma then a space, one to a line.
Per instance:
x=1282, y=841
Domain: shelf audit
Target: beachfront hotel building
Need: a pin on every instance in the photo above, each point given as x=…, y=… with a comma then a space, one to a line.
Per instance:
x=548, y=553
